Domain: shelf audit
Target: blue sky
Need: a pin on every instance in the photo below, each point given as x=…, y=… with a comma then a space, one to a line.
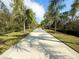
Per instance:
x=45, y=4
x=68, y=5
x=39, y=7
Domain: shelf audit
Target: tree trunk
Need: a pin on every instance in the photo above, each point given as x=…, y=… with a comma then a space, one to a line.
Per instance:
x=24, y=27
x=55, y=27
x=72, y=18
x=29, y=27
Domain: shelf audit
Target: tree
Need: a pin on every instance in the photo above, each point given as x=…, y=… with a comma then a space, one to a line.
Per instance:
x=64, y=17
x=4, y=21
x=18, y=13
x=54, y=9
x=30, y=18
x=74, y=9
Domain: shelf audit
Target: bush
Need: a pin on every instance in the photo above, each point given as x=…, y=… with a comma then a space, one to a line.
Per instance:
x=70, y=28
x=73, y=26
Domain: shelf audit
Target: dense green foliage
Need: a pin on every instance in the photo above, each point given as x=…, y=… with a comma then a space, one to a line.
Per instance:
x=54, y=12
x=4, y=22
x=73, y=26
x=62, y=21
x=30, y=20
x=19, y=19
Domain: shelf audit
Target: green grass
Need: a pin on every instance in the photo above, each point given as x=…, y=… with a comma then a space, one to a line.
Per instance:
x=7, y=40
x=70, y=40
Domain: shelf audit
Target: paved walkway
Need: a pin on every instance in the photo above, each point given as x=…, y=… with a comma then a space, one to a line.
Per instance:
x=40, y=45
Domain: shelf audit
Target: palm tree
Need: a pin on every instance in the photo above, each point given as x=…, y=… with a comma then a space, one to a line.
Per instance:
x=64, y=17
x=54, y=8
x=30, y=18
x=74, y=9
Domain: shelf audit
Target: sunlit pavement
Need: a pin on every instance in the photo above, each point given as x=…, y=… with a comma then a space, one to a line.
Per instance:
x=40, y=45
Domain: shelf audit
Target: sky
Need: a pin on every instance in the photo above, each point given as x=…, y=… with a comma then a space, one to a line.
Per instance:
x=39, y=7
x=68, y=4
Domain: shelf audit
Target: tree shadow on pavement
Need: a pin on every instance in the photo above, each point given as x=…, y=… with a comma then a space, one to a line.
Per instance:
x=20, y=47
x=34, y=42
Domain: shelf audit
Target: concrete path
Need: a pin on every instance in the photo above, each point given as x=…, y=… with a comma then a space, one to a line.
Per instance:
x=40, y=45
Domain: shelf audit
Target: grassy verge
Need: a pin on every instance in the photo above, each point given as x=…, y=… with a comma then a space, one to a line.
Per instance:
x=70, y=40
x=7, y=40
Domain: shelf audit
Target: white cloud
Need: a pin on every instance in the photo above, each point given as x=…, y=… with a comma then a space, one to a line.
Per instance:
x=37, y=8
